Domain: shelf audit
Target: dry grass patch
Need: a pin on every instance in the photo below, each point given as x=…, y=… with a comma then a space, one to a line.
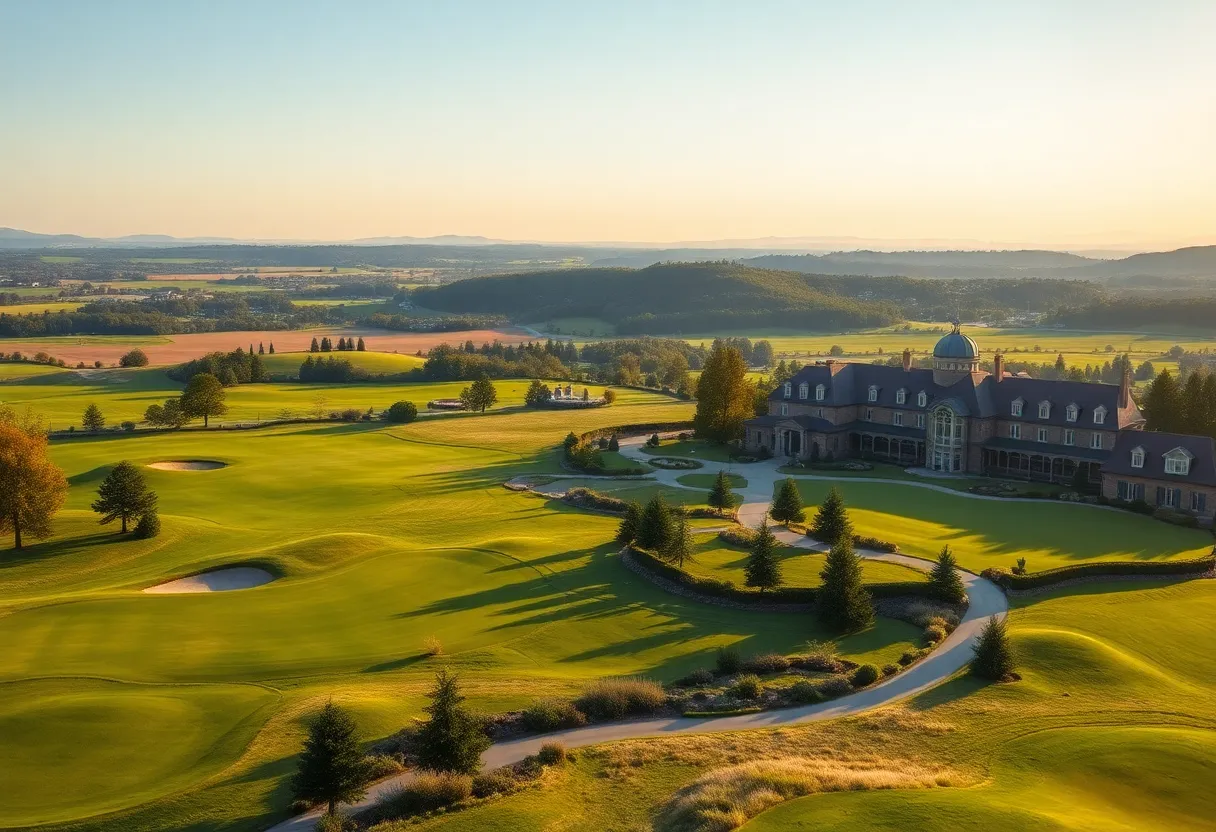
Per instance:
x=726, y=798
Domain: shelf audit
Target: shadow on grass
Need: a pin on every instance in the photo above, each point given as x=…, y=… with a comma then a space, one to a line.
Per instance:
x=56, y=548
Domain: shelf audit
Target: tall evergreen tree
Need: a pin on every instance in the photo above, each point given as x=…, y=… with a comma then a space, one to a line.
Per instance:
x=123, y=495
x=93, y=419
x=452, y=739
x=678, y=547
x=655, y=529
x=257, y=372
x=724, y=395
x=1209, y=396
x=720, y=495
x=787, y=504
x=763, y=568
x=261, y=348
x=361, y=347
x=272, y=347
x=1162, y=404
x=1194, y=405
x=831, y=522
x=332, y=768
x=842, y=602
x=946, y=583
x=631, y=523
x=314, y=347
x=993, y=657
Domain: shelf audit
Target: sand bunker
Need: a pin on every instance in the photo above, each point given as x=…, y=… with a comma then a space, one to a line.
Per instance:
x=219, y=580
x=188, y=465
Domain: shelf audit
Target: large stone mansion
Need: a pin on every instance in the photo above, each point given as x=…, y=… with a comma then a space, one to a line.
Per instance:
x=958, y=418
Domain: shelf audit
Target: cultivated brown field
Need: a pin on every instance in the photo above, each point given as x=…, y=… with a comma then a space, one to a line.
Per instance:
x=181, y=348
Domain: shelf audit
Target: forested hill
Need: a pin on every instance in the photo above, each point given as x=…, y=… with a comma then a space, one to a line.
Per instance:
x=664, y=298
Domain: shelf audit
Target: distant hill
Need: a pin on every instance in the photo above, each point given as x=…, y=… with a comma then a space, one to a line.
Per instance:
x=664, y=298
x=969, y=264
x=1196, y=261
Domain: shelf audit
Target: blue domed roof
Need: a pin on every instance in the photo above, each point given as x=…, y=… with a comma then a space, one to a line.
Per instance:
x=956, y=345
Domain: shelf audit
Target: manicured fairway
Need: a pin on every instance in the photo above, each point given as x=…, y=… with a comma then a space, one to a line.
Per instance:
x=986, y=533
x=715, y=559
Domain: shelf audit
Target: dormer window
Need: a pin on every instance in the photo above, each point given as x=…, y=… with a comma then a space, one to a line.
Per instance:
x=1138, y=457
x=789, y=389
x=901, y=396
x=802, y=390
x=819, y=392
x=1044, y=410
x=1070, y=413
x=873, y=393
x=1015, y=409
x=1099, y=415
x=922, y=398
x=1178, y=462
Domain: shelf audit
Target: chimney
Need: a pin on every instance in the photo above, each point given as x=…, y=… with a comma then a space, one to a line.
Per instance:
x=1125, y=387
x=998, y=367
x=907, y=360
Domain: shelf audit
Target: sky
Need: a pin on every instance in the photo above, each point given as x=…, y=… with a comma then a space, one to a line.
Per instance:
x=1054, y=123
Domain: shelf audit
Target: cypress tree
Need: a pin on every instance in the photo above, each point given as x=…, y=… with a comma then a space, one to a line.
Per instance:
x=720, y=496
x=655, y=529
x=261, y=348
x=451, y=740
x=831, y=522
x=763, y=568
x=842, y=602
x=272, y=347
x=787, y=505
x=678, y=547
x=947, y=584
x=332, y=768
x=631, y=523
x=362, y=347
x=314, y=347
x=993, y=658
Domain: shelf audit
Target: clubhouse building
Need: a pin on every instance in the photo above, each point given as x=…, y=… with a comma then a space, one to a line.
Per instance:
x=957, y=418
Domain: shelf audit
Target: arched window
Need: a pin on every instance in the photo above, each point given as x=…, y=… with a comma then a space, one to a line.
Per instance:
x=922, y=398
x=819, y=391
x=1138, y=457
x=1070, y=413
x=873, y=393
x=1044, y=410
x=802, y=390
x=901, y=396
x=1015, y=408
x=1099, y=415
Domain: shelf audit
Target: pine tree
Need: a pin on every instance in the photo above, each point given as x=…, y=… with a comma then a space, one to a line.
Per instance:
x=93, y=419
x=993, y=658
x=1162, y=404
x=332, y=768
x=451, y=740
x=787, y=505
x=1209, y=396
x=261, y=348
x=631, y=523
x=257, y=372
x=763, y=568
x=831, y=522
x=842, y=602
x=123, y=495
x=1193, y=404
x=678, y=547
x=314, y=347
x=720, y=496
x=946, y=583
x=272, y=347
x=1061, y=365
x=655, y=529
x=251, y=348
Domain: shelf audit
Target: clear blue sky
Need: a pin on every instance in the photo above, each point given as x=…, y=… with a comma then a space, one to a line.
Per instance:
x=1043, y=122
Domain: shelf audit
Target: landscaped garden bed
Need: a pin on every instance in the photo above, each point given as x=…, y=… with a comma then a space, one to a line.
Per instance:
x=672, y=463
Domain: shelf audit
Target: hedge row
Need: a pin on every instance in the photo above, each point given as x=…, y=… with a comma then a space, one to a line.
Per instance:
x=1035, y=580
x=782, y=595
x=641, y=427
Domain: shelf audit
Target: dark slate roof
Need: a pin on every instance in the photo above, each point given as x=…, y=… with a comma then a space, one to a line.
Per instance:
x=1026, y=446
x=979, y=394
x=803, y=420
x=1156, y=445
x=956, y=345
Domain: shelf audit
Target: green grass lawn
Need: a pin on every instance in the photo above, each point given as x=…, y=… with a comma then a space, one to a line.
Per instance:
x=707, y=481
x=986, y=533
x=693, y=448
x=287, y=364
x=715, y=559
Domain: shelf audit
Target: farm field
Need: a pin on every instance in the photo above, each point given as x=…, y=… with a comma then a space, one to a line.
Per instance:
x=284, y=364
x=175, y=349
x=39, y=308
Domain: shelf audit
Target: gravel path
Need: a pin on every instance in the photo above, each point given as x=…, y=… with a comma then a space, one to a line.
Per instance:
x=951, y=656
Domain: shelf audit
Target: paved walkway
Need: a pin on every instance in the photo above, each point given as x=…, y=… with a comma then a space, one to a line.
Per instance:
x=951, y=656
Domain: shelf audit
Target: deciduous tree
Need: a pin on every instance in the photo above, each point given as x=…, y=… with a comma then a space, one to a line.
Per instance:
x=724, y=395
x=332, y=768
x=402, y=412
x=32, y=488
x=134, y=358
x=123, y=495
x=203, y=398
x=479, y=395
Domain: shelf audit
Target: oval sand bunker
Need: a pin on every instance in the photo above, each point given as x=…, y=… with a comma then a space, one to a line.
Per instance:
x=218, y=580
x=188, y=465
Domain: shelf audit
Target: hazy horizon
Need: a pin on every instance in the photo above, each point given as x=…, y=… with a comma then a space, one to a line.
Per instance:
x=1067, y=126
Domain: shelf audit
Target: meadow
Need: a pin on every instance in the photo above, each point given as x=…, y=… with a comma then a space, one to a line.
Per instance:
x=187, y=711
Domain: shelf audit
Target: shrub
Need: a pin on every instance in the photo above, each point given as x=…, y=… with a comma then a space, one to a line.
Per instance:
x=498, y=781
x=618, y=698
x=546, y=715
x=588, y=498
x=351, y=414
x=821, y=656
x=910, y=656
x=380, y=766
x=128, y=426
x=835, y=687
x=740, y=536
x=609, y=397
x=699, y=677
x=864, y=676
x=551, y=754
x=728, y=661
x=432, y=646
x=428, y=791
x=890, y=669
x=805, y=693
x=148, y=526
x=134, y=358
x=335, y=823
x=934, y=634
x=1194, y=566
x=653, y=441
x=767, y=663
x=747, y=687
x=402, y=412
x=875, y=544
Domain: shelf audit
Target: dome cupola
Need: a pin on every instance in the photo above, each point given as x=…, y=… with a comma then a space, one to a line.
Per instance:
x=955, y=356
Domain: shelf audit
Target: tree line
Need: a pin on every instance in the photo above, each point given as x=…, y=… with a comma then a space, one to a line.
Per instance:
x=326, y=344
x=1188, y=407
x=231, y=368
